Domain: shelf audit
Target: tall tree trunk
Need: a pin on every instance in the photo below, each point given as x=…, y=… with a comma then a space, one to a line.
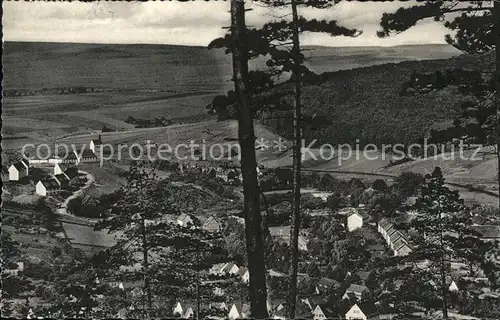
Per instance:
x=444, y=288
x=496, y=15
x=246, y=137
x=297, y=158
x=147, y=286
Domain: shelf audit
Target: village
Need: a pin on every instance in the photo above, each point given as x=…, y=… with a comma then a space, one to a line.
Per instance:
x=336, y=228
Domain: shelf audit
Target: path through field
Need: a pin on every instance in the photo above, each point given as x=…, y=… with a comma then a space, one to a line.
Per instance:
x=64, y=205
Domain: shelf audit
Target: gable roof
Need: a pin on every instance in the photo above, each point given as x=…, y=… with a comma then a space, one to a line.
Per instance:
x=327, y=282
x=242, y=271
x=64, y=166
x=354, y=213
x=241, y=307
x=71, y=172
x=363, y=275
x=399, y=243
x=396, y=236
x=210, y=220
x=184, y=218
x=50, y=183
x=367, y=308
x=375, y=247
x=87, y=153
x=384, y=223
x=356, y=288
x=325, y=309
x=62, y=178
x=19, y=166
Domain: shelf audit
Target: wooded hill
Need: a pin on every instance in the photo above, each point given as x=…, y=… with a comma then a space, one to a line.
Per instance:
x=369, y=104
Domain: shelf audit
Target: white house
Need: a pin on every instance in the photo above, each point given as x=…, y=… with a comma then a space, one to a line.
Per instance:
x=211, y=225
x=322, y=312
x=47, y=187
x=453, y=286
x=15, y=271
x=239, y=311
x=63, y=168
x=361, y=311
x=95, y=144
x=18, y=170
x=189, y=313
x=222, y=269
x=354, y=221
x=401, y=248
x=244, y=274
x=184, y=220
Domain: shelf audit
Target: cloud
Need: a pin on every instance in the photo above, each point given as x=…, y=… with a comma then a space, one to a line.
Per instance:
x=190, y=23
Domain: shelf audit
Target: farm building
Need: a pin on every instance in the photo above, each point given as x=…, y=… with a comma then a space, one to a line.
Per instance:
x=47, y=187
x=18, y=170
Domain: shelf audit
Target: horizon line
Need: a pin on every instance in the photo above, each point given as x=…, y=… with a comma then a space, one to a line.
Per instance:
x=205, y=46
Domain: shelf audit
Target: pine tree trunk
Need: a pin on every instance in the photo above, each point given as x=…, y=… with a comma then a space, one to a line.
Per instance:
x=297, y=158
x=444, y=289
x=147, y=286
x=246, y=137
x=496, y=15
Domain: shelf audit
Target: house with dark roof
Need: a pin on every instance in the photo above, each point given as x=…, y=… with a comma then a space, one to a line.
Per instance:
x=70, y=157
x=401, y=248
x=239, y=310
x=326, y=286
x=323, y=312
x=62, y=179
x=95, y=144
x=364, y=275
x=376, y=249
x=87, y=155
x=356, y=291
x=47, y=186
x=18, y=170
x=66, y=168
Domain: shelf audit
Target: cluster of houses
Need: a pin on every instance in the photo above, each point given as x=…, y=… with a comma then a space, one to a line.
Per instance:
x=212, y=224
x=59, y=180
x=225, y=171
x=394, y=238
x=277, y=310
x=64, y=168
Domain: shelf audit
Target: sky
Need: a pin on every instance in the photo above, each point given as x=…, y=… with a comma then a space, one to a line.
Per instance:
x=191, y=23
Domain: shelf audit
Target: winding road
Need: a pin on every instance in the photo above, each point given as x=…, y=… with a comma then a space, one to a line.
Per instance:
x=64, y=205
